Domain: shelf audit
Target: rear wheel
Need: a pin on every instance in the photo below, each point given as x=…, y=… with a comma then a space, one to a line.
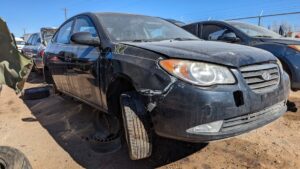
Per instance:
x=49, y=79
x=136, y=122
x=48, y=76
x=11, y=158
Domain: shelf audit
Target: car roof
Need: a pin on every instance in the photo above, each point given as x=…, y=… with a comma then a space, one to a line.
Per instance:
x=215, y=21
x=211, y=21
x=116, y=13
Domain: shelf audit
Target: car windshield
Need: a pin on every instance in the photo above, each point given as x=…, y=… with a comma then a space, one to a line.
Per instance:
x=254, y=31
x=141, y=28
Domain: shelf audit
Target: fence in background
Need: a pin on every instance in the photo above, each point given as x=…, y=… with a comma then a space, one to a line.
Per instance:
x=264, y=16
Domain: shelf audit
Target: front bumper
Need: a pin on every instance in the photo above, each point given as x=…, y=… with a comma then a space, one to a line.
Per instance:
x=187, y=106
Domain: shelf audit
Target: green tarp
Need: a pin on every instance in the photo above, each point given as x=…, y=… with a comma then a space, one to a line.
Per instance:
x=14, y=67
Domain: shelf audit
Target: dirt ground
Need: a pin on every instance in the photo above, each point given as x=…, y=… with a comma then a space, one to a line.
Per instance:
x=52, y=134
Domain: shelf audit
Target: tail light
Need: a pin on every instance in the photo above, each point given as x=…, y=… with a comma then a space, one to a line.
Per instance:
x=42, y=53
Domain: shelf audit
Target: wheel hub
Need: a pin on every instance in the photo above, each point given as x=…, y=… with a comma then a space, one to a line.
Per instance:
x=2, y=164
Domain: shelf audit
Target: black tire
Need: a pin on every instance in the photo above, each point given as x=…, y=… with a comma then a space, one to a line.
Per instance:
x=47, y=76
x=49, y=80
x=11, y=158
x=137, y=126
x=36, y=93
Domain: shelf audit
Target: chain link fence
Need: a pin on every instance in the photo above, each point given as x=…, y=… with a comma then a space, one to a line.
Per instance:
x=287, y=24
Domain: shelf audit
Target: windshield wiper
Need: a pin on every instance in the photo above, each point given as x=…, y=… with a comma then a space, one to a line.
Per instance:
x=263, y=36
x=141, y=40
x=183, y=39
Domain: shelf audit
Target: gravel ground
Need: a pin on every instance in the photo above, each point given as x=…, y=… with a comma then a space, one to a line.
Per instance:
x=52, y=133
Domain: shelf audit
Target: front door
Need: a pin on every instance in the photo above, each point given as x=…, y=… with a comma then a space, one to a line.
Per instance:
x=59, y=57
x=83, y=69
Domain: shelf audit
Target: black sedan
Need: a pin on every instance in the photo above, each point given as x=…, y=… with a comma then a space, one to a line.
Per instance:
x=286, y=50
x=152, y=75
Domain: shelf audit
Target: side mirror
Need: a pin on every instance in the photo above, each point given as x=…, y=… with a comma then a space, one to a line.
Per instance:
x=230, y=37
x=85, y=38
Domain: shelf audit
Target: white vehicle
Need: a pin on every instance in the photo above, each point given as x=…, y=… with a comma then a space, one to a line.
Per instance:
x=20, y=43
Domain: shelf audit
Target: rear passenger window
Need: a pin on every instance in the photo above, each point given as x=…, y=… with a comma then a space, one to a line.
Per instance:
x=64, y=33
x=192, y=29
x=212, y=32
x=84, y=24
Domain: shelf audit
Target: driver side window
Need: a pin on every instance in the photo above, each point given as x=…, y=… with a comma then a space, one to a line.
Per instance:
x=84, y=24
x=215, y=32
x=64, y=33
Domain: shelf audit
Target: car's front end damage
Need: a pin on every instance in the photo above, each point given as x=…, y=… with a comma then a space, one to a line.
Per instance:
x=183, y=110
x=196, y=114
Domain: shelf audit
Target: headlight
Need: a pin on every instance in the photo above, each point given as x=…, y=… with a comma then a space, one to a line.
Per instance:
x=279, y=64
x=198, y=73
x=296, y=47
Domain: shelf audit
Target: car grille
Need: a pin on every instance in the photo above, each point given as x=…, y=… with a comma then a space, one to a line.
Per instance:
x=261, y=78
x=237, y=122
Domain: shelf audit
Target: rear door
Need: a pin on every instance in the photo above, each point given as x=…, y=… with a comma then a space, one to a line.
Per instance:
x=84, y=65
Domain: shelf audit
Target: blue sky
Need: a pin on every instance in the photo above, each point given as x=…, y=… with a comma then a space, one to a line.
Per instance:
x=33, y=14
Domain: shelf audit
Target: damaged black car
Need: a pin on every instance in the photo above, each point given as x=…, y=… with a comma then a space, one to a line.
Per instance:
x=154, y=76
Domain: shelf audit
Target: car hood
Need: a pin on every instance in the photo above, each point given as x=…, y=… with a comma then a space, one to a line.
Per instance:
x=285, y=41
x=214, y=52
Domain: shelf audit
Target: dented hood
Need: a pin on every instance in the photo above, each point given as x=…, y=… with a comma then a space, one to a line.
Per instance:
x=214, y=52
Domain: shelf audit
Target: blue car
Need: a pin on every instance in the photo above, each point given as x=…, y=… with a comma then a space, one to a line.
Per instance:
x=285, y=49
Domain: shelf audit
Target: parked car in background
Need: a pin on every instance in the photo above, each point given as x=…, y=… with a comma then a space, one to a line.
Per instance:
x=286, y=50
x=20, y=43
x=26, y=36
x=298, y=35
x=153, y=75
x=176, y=22
x=36, y=45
